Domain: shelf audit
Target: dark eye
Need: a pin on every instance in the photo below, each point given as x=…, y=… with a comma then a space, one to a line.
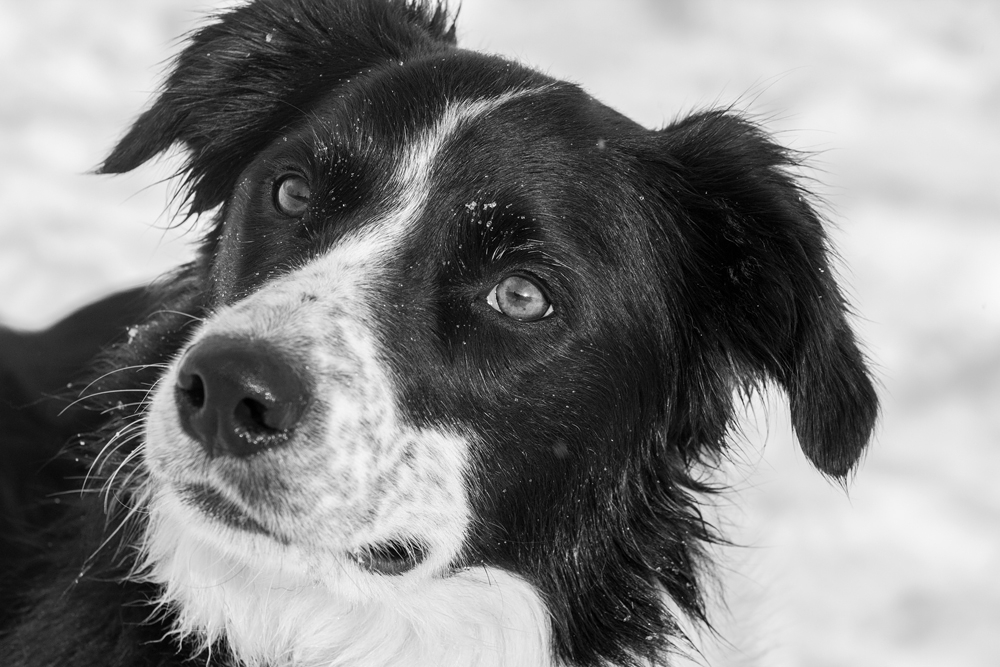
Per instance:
x=519, y=298
x=291, y=195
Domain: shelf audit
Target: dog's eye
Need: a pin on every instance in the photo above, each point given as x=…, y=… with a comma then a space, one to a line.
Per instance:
x=291, y=195
x=519, y=298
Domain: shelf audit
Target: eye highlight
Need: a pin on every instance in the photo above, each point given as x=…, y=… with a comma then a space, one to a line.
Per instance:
x=291, y=195
x=520, y=298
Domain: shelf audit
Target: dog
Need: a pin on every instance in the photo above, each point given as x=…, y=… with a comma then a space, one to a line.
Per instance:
x=438, y=385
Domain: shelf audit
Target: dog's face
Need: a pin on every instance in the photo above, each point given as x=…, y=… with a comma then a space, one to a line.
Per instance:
x=465, y=331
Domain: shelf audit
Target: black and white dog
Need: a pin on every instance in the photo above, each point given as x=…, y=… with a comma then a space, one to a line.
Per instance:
x=436, y=388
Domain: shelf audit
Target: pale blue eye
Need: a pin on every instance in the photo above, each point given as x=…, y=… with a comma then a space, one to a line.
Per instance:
x=519, y=298
x=291, y=195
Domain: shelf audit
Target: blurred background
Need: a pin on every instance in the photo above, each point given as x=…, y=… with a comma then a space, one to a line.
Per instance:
x=899, y=103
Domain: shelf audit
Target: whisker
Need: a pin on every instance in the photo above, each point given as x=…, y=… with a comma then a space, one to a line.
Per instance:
x=138, y=505
x=118, y=529
x=121, y=369
x=100, y=393
x=119, y=406
x=164, y=311
x=122, y=437
x=110, y=483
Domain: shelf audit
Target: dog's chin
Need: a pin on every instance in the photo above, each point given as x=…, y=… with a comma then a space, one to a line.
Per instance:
x=225, y=579
x=191, y=521
x=387, y=557
x=394, y=556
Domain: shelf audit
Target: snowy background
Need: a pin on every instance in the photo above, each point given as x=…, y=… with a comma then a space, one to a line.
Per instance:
x=900, y=101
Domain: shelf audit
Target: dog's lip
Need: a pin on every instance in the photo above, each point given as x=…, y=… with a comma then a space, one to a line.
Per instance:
x=391, y=557
x=215, y=505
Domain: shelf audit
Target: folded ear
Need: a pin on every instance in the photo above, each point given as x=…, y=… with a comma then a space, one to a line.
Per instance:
x=257, y=68
x=755, y=252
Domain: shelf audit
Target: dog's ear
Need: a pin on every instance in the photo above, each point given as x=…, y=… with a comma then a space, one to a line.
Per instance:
x=259, y=67
x=761, y=293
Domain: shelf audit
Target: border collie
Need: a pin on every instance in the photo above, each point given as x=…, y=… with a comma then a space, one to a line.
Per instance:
x=438, y=386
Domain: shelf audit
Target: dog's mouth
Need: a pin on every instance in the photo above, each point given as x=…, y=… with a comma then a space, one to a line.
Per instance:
x=392, y=557
x=215, y=505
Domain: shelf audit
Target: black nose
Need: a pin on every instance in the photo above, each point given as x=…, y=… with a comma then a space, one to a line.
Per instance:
x=238, y=397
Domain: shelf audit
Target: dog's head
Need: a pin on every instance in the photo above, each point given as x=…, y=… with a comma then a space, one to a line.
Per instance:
x=466, y=330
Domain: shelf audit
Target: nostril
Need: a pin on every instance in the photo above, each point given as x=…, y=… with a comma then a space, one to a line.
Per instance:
x=254, y=415
x=192, y=389
x=256, y=418
x=254, y=426
x=238, y=397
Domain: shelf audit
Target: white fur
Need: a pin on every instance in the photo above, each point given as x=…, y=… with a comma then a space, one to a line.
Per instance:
x=283, y=613
x=415, y=168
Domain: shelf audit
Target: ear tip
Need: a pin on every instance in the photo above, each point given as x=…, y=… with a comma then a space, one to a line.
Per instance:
x=125, y=157
x=835, y=428
x=840, y=461
x=111, y=166
x=149, y=136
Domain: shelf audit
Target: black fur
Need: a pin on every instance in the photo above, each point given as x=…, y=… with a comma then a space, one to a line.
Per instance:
x=688, y=265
